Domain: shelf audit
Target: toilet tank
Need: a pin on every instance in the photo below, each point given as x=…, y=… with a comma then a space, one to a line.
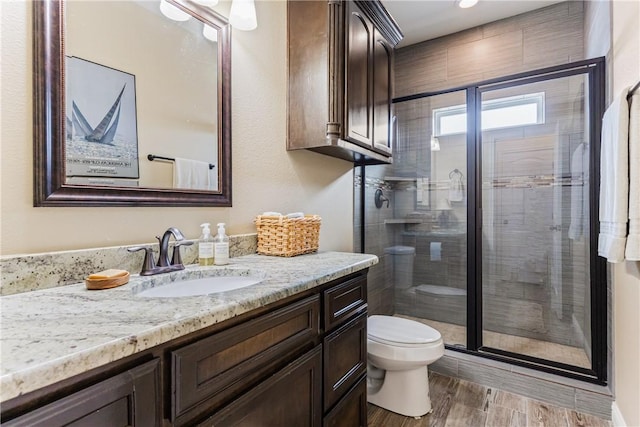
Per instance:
x=399, y=265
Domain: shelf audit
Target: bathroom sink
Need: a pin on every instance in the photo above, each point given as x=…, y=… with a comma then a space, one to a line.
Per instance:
x=203, y=286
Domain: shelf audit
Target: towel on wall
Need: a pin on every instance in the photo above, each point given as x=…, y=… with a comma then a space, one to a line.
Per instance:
x=435, y=251
x=614, y=180
x=191, y=174
x=577, y=182
x=632, y=251
x=455, y=186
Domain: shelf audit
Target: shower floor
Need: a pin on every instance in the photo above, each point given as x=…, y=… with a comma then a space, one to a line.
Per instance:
x=456, y=334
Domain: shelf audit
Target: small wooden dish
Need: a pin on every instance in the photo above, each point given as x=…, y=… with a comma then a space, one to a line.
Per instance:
x=97, y=284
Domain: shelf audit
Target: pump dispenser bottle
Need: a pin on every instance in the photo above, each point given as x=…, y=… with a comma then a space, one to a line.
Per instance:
x=205, y=246
x=221, y=242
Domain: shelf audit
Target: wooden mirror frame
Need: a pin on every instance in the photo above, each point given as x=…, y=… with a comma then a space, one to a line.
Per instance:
x=50, y=187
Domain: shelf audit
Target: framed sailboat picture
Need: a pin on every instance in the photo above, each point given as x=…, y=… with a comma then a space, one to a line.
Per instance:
x=101, y=125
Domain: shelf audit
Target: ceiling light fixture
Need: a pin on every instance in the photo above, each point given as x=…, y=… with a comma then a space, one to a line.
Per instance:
x=210, y=33
x=208, y=3
x=465, y=4
x=243, y=15
x=172, y=12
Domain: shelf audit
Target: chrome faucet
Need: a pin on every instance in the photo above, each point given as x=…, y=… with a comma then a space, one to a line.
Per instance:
x=164, y=265
x=163, y=257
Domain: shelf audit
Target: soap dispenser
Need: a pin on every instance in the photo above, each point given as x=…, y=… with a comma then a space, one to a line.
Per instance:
x=221, y=243
x=205, y=246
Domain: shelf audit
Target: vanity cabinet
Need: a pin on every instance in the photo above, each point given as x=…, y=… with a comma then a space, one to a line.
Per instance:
x=345, y=353
x=130, y=398
x=291, y=397
x=340, y=79
x=297, y=362
x=215, y=369
x=351, y=410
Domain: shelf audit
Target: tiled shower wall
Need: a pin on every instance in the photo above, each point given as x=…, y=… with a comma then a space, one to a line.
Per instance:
x=546, y=37
x=542, y=38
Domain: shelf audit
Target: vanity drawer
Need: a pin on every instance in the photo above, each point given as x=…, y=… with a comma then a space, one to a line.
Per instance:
x=344, y=301
x=209, y=372
x=351, y=410
x=345, y=359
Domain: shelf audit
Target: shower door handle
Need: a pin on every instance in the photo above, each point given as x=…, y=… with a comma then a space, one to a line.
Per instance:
x=394, y=134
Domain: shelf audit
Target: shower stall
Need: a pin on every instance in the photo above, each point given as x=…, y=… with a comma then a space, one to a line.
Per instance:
x=489, y=235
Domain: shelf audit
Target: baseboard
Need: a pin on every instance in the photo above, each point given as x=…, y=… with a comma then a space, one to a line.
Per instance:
x=616, y=416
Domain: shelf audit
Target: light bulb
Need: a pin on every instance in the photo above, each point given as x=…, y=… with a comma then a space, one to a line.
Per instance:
x=210, y=33
x=208, y=3
x=243, y=15
x=172, y=12
x=464, y=4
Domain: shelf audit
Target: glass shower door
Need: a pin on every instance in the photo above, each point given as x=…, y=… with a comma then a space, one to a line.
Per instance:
x=430, y=192
x=535, y=216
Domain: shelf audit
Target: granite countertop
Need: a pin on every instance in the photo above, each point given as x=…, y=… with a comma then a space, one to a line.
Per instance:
x=53, y=334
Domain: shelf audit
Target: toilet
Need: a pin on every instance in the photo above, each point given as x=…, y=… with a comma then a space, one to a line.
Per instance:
x=398, y=352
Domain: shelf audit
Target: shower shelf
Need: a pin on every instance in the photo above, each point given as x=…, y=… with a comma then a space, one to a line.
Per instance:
x=399, y=178
x=402, y=221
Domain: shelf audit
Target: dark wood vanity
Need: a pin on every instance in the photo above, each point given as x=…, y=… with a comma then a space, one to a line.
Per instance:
x=340, y=79
x=298, y=362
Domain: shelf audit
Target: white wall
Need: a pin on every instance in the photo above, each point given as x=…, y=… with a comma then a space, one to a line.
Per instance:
x=624, y=71
x=611, y=29
x=265, y=176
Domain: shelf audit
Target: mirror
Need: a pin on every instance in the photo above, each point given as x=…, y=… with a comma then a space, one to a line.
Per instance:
x=123, y=97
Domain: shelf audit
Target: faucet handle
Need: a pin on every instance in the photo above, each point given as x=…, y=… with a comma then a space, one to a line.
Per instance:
x=148, y=264
x=176, y=259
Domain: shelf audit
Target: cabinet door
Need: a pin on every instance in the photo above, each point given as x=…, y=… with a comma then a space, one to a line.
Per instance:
x=359, y=75
x=128, y=399
x=351, y=410
x=382, y=93
x=209, y=372
x=291, y=397
x=345, y=359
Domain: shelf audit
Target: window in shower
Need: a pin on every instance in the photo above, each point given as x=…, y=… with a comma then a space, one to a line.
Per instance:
x=499, y=113
x=502, y=213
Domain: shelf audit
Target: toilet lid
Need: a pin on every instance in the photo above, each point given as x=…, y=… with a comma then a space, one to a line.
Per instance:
x=401, y=331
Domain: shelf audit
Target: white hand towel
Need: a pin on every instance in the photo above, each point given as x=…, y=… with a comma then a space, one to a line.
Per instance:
x=435, y=251
x=455, y=188
x=614, y=180
x=577, y=182
x=632, y=251
x=191, y=174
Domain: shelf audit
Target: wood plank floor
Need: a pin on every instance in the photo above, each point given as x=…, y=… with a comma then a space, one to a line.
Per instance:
x=459, y=403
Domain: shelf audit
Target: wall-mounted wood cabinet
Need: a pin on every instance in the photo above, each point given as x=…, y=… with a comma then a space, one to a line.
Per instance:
x=341, y=79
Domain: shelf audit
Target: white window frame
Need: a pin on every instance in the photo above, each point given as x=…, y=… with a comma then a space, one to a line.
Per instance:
x=488, y=105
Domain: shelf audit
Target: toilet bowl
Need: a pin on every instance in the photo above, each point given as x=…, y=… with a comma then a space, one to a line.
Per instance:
x=398, y=352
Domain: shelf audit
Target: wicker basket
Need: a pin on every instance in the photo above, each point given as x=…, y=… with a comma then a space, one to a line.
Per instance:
x=282, y=236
